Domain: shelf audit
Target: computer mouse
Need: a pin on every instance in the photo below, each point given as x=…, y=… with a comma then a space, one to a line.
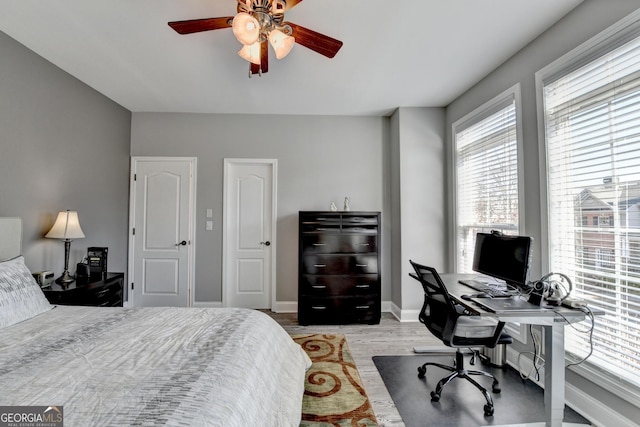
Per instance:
x=476, y=295
x=482, y=295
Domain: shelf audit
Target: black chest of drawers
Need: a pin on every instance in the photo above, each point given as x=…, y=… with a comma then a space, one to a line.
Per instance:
x=103, y=291
x=339, y=267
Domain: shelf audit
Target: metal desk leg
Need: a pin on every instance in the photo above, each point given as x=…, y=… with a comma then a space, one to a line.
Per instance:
x=554, y=374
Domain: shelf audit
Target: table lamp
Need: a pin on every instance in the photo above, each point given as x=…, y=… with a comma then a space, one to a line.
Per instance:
x=67, y=228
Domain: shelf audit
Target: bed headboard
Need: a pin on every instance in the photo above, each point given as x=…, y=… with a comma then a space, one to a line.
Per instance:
x=10, y=237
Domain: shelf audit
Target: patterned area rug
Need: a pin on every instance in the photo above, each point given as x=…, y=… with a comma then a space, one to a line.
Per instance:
x=334, y=395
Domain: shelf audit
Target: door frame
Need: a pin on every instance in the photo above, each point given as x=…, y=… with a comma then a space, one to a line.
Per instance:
x=191, y=254
x=228, y=162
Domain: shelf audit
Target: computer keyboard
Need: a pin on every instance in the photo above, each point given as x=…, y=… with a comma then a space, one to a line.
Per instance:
x=494, y=290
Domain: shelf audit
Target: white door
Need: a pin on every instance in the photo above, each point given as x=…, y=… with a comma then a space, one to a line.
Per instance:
x=162, y=244
x=249, y=233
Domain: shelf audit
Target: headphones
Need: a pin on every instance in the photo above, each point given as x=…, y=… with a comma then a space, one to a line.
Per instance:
x=554, y=287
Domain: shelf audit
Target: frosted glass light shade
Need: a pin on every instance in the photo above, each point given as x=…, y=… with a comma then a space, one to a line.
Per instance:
x=67, y=226
x=281, y=43
x=251, y=53
x=246, y=28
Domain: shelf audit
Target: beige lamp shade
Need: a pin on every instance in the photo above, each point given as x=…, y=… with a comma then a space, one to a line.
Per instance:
x=67, y=227
x=281, y=43
x=246, y=28
x=251, y=53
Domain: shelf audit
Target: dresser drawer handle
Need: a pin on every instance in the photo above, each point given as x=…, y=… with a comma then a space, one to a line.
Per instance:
x=319, y=244
x=362, y=265
x=321, y=229
x=362, y=286
x=318, y=307
x=319, y=265
x=362, y=307
x=363, y=244
x=319, y=287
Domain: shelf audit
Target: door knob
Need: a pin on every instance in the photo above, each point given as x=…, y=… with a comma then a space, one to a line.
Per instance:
x=183, y=243
x=267, y=243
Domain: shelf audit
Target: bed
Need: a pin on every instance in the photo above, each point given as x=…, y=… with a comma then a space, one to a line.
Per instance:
x=110, y=366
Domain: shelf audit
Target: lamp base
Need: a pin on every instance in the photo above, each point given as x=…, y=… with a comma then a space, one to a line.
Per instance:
x=65, y=279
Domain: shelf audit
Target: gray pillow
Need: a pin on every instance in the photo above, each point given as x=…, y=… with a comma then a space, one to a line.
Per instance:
x=20, y=296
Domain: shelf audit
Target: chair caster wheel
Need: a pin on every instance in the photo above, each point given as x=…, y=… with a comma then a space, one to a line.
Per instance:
x=435, y=397
x=422, y=370
x=488, y=411
x=496, y=389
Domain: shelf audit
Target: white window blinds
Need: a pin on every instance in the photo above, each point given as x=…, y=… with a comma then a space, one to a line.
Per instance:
x=486, y=167
x=592, y=130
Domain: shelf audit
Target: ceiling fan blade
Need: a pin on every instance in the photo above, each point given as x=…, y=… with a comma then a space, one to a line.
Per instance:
x=317, y=42
x=264, y=60
x=198, y=25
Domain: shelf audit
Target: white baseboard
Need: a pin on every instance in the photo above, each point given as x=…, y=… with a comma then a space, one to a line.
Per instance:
x=593, y=409
x=209, y=304
x=285, y=307
x=403, y=315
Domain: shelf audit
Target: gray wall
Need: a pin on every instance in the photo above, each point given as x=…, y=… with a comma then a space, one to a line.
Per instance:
x=418, y=201
x=584, y=22
x=62, y=146
x=320, y=159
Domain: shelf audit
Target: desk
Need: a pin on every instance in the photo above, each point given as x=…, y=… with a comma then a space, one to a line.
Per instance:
x=553, y=322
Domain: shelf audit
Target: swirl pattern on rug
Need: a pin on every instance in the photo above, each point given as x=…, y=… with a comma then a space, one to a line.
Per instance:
x=334, y=394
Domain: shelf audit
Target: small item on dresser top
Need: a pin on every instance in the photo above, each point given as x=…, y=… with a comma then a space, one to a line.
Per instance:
x=82, y=269
x=333, y=207
x=347, y=204
x=44, y=278
x=97, y=260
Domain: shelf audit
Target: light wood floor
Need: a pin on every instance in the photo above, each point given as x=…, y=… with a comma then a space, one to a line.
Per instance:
x=390, y=337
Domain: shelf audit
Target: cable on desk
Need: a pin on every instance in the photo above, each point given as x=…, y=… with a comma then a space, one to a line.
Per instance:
x=586, y=310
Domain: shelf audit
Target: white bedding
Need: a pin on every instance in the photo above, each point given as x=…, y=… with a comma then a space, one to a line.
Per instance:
x=154, y=366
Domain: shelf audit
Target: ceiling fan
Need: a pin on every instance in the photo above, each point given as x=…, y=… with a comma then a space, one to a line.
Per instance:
x=258, y=23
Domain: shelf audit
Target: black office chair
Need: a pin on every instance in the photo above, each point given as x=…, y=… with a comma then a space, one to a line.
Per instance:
x=457, y=328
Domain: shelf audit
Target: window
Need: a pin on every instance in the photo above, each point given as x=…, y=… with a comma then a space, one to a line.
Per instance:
x=486, y=173
x=591, y=104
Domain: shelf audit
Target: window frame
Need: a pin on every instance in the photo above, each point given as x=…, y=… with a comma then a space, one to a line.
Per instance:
x=615, y=36
x=517, y=330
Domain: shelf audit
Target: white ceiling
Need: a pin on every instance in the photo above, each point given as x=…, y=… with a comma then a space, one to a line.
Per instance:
x=402, y=53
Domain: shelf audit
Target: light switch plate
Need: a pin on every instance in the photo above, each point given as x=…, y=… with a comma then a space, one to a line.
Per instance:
x=209, y=226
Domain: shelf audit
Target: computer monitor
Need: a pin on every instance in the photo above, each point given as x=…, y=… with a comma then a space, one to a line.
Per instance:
x=503, y=257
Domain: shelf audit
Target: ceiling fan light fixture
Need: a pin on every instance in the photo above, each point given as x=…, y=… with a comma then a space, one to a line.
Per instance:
x=251, y=53
x=281, y=43
x=256, y=22
x=246, y=28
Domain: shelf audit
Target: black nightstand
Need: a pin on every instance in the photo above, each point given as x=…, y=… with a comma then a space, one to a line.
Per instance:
x=94, y=291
